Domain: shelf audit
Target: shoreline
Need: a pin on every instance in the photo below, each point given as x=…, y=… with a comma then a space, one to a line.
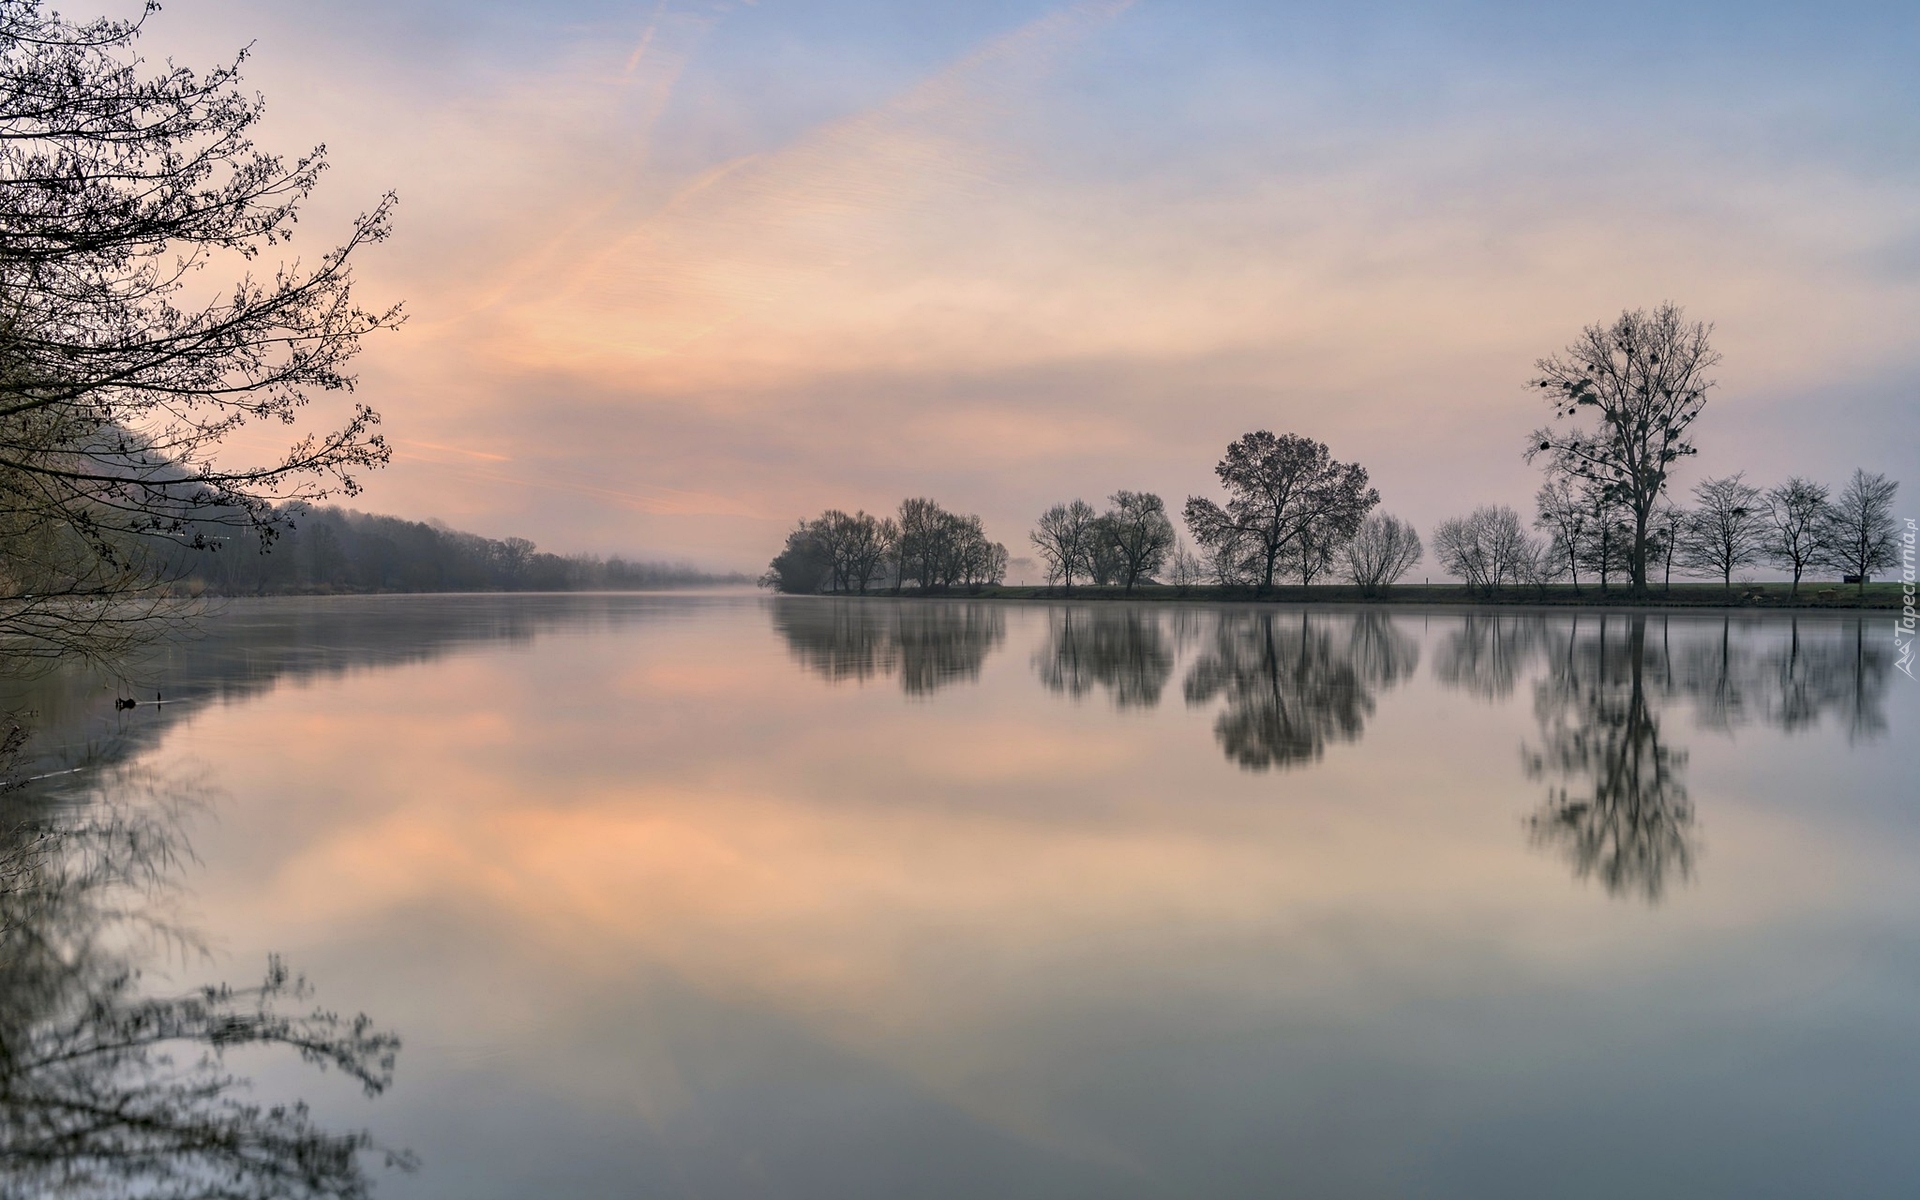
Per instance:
x=1764, y=597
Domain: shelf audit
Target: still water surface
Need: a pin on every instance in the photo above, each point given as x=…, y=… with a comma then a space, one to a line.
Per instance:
x=726, y=896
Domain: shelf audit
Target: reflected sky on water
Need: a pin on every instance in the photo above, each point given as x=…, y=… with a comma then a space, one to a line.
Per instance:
x=734, y=896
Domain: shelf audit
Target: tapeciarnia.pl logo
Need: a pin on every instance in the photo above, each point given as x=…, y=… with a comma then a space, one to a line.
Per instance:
x=1903, y=627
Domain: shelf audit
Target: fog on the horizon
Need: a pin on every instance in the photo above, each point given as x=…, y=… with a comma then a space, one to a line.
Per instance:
x=681, y=273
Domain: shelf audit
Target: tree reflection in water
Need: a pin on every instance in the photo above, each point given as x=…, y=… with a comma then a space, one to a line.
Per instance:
x=1616, y=804
x=1735, y=677
x=1620, y=811
x=1487, y=654
x=1293, y=683
x=928, y=643
x=1117, y=647
x=107, y=1091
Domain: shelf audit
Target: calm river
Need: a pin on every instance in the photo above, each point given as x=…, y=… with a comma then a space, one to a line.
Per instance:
x=728, y=896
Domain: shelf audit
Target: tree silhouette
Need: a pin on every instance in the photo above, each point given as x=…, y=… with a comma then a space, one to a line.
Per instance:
x=1286, y=497
x=126, y=374
x=1858, y=535
x=1644, y=380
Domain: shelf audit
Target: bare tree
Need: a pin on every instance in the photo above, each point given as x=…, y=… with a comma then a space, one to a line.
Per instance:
x=971, y=557
x=1487, y=549
x=124, y=375
x=1726, y=529
x=1318, y=548
x=1797, y=513
x=1103, y=551
x=1859, y=532
x=1644, y=378
x=868, y=543
x=928, y=546
x=856, y=545
x=1669, y=520
x=1565, y=516
x=1185, y=568
x=1137, y=534
x=916, y=551
x=1540, y=563
x=1382, y=550
x=1064, y=537
x=828, y=532
x=1283, y=491
x=1587, y=528
x=1226, y=559
x=1607, y=549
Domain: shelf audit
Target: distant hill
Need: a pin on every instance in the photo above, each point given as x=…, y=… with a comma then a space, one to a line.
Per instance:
x=334, y=550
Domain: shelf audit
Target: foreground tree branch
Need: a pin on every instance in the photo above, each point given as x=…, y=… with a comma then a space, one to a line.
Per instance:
x=137, y=334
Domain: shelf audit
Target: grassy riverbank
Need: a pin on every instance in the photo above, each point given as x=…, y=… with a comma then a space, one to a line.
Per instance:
x=1816, y=596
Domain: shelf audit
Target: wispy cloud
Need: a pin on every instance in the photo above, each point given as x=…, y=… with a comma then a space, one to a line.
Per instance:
x=1075, y=255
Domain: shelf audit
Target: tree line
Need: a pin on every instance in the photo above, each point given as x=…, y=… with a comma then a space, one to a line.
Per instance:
x=924, y=547
x=1797, y=527
x=1292, y=511
x=341, y=550
x=1623, y=399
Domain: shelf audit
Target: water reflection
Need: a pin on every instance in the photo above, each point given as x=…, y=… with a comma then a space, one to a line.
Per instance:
x=1616, y=805
x=1487, y=654
x=110, y=1090
x=1120, y=648
x=1735, y=675
x=928, y=644
x=247, y=647
x=1293, y=683
x=899, y=947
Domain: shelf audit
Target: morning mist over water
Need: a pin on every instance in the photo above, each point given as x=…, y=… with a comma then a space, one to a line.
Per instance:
x=728, y=895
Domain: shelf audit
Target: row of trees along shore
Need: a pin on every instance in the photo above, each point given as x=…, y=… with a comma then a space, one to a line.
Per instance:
x=1623, y=400
x=333, y=550
x=924, y=546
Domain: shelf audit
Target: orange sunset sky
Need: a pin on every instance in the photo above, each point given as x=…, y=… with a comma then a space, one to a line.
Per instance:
x=680, y=273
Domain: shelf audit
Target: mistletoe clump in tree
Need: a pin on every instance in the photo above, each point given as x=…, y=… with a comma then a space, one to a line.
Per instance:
x=139, y=332
x=1643, y=382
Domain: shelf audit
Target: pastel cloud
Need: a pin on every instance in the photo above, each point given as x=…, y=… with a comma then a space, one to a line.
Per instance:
x=1079, y=254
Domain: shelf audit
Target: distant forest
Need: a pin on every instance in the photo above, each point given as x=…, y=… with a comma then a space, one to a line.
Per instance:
x=332, y=550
